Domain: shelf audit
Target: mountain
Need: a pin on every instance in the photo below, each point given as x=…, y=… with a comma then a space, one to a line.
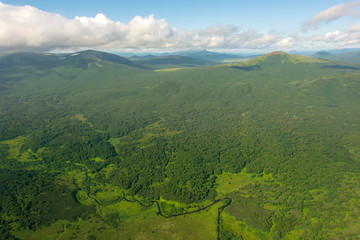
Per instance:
x=282, y=57
x=207, y=55
x=143, y=57
x=276, y=59
x=350, y=57
x=84, y=58
x=26, y=59
x=171, y=61
x=215, y=57
x=81, y=59
x=92, y=148
x=323, y=54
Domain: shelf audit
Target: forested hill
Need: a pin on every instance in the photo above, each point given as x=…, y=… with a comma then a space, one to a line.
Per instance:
x=85, y=57
x=268, y=148
x=26, y=59
x=81, y=59
x=279, y=57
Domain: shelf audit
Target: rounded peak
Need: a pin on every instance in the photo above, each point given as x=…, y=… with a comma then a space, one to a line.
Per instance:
x=279, y=57
x=88, y=52
x=277, y=53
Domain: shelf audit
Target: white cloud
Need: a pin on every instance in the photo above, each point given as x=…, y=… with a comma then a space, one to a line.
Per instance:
x=286, y=43
x=28, y=28
x=331, y=14
x=345, y=38
x=219, y=30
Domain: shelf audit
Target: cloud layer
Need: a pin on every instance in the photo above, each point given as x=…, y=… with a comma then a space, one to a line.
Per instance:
x=26, y=27
x=30, y=29
x=348, y=37
x=332, y=14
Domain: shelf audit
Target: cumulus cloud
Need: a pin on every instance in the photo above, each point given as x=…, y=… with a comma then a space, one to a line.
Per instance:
x=286, y=43
x=347, y=37
x=331, y=14
x=28, y=28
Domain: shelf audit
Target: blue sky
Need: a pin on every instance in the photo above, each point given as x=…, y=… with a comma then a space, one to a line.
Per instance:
x=262, y=15
x=214, y=24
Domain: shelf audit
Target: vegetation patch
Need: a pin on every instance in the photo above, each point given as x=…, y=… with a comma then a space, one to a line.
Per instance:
x=247, y=68
x=265, y=149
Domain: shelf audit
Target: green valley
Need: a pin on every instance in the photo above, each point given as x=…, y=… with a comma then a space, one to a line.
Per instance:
x=96, y=146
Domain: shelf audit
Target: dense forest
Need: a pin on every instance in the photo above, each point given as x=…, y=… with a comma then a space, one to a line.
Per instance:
x=265, y=149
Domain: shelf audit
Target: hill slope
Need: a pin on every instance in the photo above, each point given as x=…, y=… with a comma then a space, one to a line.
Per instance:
x=26, y=59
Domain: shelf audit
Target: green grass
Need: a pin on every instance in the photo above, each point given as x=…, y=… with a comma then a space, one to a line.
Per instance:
x=237, y=229
x=232, y=182
x=14, y=146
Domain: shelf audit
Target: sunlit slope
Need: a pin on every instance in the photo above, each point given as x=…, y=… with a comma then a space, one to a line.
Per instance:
x=283, y=58
x=278, y=135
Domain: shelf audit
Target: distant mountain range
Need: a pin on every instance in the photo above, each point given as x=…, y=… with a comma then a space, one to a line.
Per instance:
x=345, y=55
x=171, y=61
x=202, y=55
x=83, y=59
x=208, y=56
x=351, y=57
x=165, y=60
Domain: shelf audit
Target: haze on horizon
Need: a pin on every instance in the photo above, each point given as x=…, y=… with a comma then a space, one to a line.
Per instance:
x=65, y=26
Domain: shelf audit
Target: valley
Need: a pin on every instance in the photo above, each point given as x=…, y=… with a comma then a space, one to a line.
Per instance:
x=97, y=146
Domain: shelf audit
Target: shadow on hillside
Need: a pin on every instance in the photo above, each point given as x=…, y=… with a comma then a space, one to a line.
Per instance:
x=341, y=67
x=247, y=68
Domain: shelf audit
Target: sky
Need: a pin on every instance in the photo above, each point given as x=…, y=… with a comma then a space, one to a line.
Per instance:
x=165, y=25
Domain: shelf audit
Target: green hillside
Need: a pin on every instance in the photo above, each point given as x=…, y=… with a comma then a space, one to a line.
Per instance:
x=27, y=59
x=95, y=146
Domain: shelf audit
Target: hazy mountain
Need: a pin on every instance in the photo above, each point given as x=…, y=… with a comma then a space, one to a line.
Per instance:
x=201, y=54
x=207, y=55
x=143, y=56
x=323, y=54
x=171, y=61
x=83, y=58
x=351, y=57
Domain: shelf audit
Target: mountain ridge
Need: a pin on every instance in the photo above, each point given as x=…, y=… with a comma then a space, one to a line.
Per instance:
x=26, y=59
x=172, y=60
x=284, y=57
x=80, y=59
x=83, y=58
